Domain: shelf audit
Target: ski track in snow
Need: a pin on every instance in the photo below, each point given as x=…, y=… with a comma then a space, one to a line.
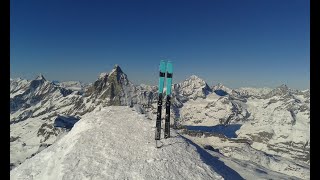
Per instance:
x=117, y=143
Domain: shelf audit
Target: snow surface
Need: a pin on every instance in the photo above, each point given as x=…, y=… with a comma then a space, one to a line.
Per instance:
x=251, y=163
x=116, y=143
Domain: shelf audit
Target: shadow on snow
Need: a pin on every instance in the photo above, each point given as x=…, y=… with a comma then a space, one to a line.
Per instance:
x=227, y=130
x=218, y=166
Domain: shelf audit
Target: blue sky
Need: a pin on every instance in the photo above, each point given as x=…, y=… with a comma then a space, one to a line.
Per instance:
x=237, y=43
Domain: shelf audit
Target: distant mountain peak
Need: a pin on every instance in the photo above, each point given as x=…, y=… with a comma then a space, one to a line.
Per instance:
x=220, y=86
x=283, y=86
x=116, y=69
x=41, y=77
x=221, y=89
x=194, y=77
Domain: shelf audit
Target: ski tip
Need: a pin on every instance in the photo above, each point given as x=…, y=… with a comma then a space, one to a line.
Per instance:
x=162, y=66
x=169, y=67
x=163, y=63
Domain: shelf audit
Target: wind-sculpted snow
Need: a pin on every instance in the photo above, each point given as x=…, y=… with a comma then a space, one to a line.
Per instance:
x=117, y=143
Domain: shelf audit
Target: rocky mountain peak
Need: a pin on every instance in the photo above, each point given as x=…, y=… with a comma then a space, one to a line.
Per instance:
x=194, y=81
x=40, y=77
x=221, y=88
x=111, y=87
x=279, y=91
x=283, y=87
x=116, y=70
x=39, y=81
x=193, y=87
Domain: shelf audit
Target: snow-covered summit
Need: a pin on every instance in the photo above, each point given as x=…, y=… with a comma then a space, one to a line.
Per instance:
x=193, y=88
x=222, y=87
x=195, y=79
x=117, y=143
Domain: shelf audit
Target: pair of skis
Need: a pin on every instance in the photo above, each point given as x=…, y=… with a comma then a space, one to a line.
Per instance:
x=166, y=69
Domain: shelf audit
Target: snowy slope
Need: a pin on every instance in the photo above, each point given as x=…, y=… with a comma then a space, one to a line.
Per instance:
x=18, y=86
x=248, y=161
x=273, y=123
x=34, y=106
x=115, y=143
x=118, y=143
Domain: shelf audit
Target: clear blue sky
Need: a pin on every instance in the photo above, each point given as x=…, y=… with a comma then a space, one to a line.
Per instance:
x=238, y=43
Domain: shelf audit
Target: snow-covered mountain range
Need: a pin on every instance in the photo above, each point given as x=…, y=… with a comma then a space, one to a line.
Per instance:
x=263, y=128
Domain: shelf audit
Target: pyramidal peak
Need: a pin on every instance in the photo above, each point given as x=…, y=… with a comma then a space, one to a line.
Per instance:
x=40, y=77
x=116, y=69
x=283, y=86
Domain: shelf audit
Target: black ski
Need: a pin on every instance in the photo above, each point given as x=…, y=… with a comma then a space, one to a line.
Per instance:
x=160, y=93
x=168, y=100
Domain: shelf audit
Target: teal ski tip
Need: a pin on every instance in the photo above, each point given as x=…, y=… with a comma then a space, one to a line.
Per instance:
x=162, y=67
x=162, y=71
x=169, y=67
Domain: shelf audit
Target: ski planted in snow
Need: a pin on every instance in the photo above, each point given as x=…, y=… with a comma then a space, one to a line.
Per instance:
x=168, y=100
x=162, y=69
